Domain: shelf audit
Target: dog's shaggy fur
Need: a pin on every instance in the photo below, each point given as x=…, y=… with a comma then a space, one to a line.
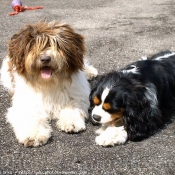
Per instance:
x=44, y=72
x=135, y=102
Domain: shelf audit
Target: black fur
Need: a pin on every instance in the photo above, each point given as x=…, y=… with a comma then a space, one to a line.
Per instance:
x=147, y=95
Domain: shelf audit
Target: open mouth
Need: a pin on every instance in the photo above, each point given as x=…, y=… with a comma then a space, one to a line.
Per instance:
x=46, y=72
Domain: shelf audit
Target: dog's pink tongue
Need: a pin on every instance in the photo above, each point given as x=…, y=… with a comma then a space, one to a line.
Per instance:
x=46, y=72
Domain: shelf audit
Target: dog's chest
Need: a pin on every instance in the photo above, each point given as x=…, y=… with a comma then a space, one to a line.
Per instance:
x=54, y=100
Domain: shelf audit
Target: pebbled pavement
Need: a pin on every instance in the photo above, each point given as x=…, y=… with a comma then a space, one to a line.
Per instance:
x=117, y=32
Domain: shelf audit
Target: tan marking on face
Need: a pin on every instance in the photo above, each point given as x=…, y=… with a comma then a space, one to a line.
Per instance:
x=106, y=106
x=118, y=115
x=96, y=100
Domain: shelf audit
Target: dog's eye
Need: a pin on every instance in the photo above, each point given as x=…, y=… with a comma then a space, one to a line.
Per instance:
x=96, y=100
x=106, y=106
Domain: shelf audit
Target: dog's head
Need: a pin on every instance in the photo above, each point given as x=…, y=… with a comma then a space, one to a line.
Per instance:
x=106, y=101
x=107, y=108
x=46, y=52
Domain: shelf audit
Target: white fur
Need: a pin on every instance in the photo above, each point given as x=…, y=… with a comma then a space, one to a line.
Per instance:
x=89, y=70
x=151, y=95
x=6, y=79
x=133, y=69
x=101, y=129
x=111, y=136
x=165, y=56
x=143, y=58
x=158, y=58
x=32, y=110
x=98, y=110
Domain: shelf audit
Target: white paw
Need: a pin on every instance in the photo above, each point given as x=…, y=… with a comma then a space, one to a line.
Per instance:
x=39, y=136
x=100, y=130
x=90, y=72
x=71, y=120
x=112, y=136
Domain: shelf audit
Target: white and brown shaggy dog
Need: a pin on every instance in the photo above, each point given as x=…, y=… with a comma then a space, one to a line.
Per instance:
x=46, y=75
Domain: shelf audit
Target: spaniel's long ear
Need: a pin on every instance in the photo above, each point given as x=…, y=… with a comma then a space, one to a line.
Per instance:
x=141, y=120
x=95, y=85
x=91, y=96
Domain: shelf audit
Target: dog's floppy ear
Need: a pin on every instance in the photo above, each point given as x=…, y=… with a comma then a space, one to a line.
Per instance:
x=140, y=118
x=18, y=47
x=96, y=83
x=91, y=96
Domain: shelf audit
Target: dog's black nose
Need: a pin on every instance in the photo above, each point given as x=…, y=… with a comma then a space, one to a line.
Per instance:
x=45, y=59
x=96, y=118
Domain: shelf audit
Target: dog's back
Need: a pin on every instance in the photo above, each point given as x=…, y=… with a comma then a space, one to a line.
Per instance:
x=158, y=70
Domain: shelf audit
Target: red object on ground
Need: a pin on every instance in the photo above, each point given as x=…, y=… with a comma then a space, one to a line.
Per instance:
x=19, y=8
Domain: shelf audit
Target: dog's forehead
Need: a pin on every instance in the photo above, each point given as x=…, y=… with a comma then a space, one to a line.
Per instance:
x=105, y=93
x=100, y=96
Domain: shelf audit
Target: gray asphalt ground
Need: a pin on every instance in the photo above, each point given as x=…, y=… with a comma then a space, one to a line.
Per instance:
x=117, y=32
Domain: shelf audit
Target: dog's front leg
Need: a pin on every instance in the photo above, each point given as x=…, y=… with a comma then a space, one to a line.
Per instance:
x=72, y=119
x=30, y=126
x=112, y=136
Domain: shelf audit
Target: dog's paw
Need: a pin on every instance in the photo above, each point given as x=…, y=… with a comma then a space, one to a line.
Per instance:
x=71, y=120
x=90, y=72
x=100, y=130
x=33, y=142
x=36, y=137
x=112, y=136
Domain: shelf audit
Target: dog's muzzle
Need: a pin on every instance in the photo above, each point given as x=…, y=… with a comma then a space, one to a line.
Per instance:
x=46, y=70
x=45, y=59
x=96, y=118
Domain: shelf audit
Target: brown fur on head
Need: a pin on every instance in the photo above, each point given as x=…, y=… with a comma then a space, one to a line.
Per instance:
x=53, y=46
